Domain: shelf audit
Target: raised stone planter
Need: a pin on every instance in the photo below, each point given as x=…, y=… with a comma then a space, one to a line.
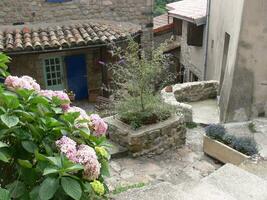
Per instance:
x=152, y=139
x=190, y=92
x=222, y=152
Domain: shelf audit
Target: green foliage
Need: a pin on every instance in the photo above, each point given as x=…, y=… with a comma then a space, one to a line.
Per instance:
x=215, y=131
x=31, y=166
x=191, y=125
x=136, y=80
x=246, y=145
x=121, y=189
x=131, y=113
x=160, y=6
x=252, y=128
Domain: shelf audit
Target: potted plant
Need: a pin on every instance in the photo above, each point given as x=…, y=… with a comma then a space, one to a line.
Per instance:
x=71, y=94
x=136, y=80
x=227, y=148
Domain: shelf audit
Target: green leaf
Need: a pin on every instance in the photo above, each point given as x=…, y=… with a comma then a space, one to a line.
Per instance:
x=34, y=194
x=4, y=194
x=104, y=167
x=9, y=121
x=2, y=144
x=55, y=161
x=4, y=157
x=75, y=167
x=29, y=146
x=71, y=187
x=16, y=189
x=25, y=163
x=50, y=170
x=39, y=157
x=48, y=188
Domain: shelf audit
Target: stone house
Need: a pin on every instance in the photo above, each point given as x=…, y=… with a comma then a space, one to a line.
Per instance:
x=190, y=30
x=60, y=42
x=163, y=32
x=237, y=47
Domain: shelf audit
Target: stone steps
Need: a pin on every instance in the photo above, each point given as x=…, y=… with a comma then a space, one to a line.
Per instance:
x=117, y=151
x=227, y=183
x=258, y=168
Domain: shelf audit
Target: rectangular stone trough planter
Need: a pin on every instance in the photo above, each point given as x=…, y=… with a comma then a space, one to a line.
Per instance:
x=222, y=152
x=155, y=138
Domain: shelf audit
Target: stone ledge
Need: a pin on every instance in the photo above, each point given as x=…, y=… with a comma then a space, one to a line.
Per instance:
x=152, y=139
x=189, y=92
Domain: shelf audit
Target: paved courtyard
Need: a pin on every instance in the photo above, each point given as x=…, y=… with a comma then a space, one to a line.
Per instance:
x=174, y=166
x=205, y=112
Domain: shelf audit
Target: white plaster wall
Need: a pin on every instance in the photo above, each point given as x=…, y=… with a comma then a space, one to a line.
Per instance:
x=193, y=58
x=253, y=52
x=225, y=16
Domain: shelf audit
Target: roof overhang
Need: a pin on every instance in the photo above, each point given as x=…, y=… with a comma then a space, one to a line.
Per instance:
x=194, y=11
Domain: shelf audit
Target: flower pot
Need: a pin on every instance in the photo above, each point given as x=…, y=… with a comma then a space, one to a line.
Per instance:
x=222, y=152
x=169, y=89
x=72, y=97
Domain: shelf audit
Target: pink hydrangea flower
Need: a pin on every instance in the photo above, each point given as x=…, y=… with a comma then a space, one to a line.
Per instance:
x=85, y=154
x=59, y=94
x=99, y=125
x=24, y=82
x=68, y=147
x=92, y=170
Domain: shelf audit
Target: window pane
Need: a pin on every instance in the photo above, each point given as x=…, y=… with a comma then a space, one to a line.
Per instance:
x=53, y=75
x=52, y=62
x=54, y=82
x=58, y=74
x=47, y=69
x=46, y=62
x=57, y=60
x=48, y=76
x=52, y=68
x=58, y=67
x=49, y=83
x=59, y=81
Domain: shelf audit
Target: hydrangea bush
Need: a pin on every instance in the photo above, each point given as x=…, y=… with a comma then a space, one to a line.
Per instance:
x=48, y=149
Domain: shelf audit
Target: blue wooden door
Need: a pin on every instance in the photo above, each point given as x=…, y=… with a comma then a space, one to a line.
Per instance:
x=77, y=75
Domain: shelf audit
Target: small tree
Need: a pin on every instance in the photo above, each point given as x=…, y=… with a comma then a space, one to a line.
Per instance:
x=136, y=80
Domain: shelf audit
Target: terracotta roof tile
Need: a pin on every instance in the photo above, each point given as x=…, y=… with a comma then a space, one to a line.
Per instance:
x=34, y=38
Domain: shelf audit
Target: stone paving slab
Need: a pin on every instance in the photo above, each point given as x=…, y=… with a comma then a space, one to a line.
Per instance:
x=175, y=166
x=205, y=112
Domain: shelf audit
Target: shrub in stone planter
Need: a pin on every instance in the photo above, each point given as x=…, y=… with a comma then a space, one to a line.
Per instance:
x=136, y=78
x=48, y=149
x=215, y=131
x=244, y=145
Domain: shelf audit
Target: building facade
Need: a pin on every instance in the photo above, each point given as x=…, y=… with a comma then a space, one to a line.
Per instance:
x=237, y=57
x=60, y=42
x=191, y=31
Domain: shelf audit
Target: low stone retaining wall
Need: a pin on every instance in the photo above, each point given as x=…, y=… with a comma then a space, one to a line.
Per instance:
x=189, y=92
x=153, y=139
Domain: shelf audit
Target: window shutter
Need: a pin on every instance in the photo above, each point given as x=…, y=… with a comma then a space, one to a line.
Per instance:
x=195, y=35
x=178, y=26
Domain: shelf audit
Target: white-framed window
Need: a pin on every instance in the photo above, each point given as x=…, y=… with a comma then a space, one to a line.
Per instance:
x=53, y=73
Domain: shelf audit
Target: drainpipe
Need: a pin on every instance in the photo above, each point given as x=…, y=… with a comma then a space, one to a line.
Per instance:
x=207, y=39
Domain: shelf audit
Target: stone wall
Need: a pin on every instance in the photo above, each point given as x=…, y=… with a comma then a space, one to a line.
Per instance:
x=32, y=65
x=196, y=91
x=189, y=92
x=152, y=139
x=139, y=12
x=192, y=57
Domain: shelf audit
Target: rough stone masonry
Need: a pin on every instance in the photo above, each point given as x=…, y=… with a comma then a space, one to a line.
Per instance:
x=42, y=11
